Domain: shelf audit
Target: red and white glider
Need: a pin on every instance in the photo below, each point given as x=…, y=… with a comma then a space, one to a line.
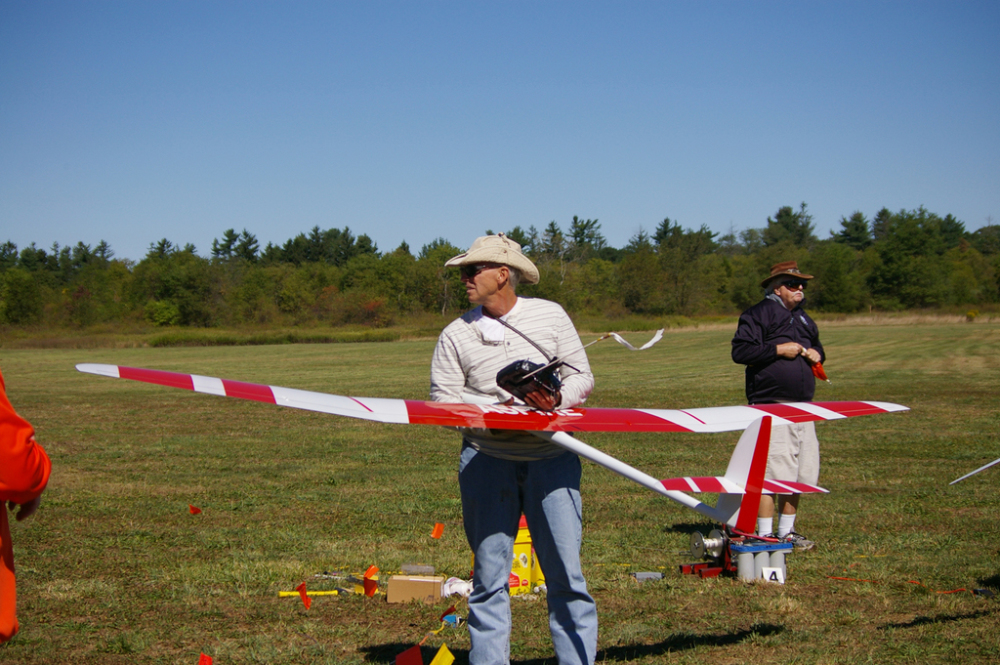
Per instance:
x=742, y=484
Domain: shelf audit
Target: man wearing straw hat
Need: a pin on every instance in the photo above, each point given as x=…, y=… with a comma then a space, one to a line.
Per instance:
x=503, y=474
x=779, y=343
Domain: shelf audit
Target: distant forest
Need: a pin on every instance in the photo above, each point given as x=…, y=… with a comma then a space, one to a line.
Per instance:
x=902, y=260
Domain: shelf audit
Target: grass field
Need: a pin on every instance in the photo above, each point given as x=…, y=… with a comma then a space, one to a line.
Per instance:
x=114, y=568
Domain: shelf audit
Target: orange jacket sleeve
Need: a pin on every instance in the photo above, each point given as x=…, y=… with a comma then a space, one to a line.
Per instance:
x=24, y=466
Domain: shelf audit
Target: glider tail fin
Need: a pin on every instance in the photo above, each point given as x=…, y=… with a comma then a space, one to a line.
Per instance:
x=746, y=469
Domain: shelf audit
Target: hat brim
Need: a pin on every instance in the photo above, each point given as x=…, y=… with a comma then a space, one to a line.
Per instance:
x=516, y=260
x=773, y=278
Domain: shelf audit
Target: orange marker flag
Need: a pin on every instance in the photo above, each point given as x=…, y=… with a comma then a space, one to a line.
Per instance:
x=371, y=585
x=205, y=660
x=194, y=510
x=411, y=656
x=306, y=600
x=820, y=373
x=438, y=530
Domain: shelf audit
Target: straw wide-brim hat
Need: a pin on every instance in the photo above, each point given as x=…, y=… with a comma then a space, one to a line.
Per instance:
x=497, y=249
x=785, y=269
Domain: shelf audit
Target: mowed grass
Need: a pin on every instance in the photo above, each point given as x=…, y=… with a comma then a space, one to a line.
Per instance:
x=114, y=568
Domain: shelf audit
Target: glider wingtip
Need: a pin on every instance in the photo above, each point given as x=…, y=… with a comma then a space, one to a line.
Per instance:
x=97, y=368
x=889, y=406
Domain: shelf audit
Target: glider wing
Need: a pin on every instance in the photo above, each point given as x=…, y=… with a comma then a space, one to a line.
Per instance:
x=498, y=416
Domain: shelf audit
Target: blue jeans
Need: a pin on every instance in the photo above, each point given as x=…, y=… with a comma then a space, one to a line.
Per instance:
x=494, y=494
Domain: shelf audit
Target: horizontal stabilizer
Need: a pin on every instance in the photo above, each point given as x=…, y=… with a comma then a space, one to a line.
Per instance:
x=722, y=485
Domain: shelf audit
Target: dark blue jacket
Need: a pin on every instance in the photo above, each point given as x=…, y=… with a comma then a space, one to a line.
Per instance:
x=771, y=378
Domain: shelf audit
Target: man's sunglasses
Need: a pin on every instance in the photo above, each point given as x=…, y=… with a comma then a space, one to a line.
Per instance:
x=797, y=285
x=470, y=271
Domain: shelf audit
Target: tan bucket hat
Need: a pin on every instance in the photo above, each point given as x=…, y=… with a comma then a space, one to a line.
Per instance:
x=785, y=269
x=497, y=249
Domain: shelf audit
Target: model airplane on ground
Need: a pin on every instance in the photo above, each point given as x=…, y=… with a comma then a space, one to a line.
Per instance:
x=739, y=489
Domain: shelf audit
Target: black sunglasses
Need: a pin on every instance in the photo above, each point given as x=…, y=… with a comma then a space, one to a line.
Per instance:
x=795, y=285
x=470, y=271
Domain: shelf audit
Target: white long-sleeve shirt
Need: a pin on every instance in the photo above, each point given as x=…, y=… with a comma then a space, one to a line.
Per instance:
x=469, y=355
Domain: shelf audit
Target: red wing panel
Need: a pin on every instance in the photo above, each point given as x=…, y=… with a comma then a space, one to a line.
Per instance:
x=157, y=376
x=254, y=391
x=496, y=416
x=788, y=412
x=787, y=487
x=851, y=409
x=695, y=484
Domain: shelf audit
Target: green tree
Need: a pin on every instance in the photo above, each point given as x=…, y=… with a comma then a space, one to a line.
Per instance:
x=855, y=232
x=438, y=288
x=985, y=239
x=20, y=297
x=8, y=256
x=639, y=276
x=972, y=280
x=586, y=239
x=790, y=225
x=224, y=249
x=911, y=271
x=880, y=224
x=688, y=282
x=177, y=277
x=838, y=285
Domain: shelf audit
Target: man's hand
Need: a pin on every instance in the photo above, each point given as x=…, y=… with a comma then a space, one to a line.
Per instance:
x=25, y=510
x=812, y=355
x=543, y=400
x=792, y=350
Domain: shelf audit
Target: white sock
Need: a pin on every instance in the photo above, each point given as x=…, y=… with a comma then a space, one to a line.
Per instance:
x=786, y=524
x=765, y=526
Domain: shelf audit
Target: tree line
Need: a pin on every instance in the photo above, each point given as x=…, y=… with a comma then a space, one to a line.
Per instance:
x=893, y=261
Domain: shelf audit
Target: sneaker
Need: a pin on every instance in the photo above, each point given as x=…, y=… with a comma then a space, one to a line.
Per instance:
x=800, y=542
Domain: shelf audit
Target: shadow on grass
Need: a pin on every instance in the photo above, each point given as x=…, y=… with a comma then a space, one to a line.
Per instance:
x=992, y=582
x=943, y=618
x=690, y=527
x=386, y=653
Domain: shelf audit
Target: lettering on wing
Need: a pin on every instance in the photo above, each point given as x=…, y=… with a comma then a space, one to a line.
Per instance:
x=523, y=410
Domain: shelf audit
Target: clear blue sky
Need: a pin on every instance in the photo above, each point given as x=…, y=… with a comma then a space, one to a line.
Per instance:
x=131, y=121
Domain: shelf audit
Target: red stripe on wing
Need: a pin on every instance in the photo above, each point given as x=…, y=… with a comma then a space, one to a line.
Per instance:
x=522, y=418
x=790, y=413
x=254, y=391
x=157, y=376
x=444, y=415
x=851, y=409
x=701, y=483
x=801, y=488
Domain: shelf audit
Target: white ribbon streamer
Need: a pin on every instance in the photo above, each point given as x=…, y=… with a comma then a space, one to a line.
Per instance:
x=656, y=338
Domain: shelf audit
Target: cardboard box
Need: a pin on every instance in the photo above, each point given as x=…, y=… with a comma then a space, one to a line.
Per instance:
x=404, y=588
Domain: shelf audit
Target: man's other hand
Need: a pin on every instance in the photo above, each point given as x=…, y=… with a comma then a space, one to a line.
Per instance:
x=543, y=400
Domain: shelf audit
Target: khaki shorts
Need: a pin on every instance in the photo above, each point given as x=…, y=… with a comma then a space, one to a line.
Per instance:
x=794, y=454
